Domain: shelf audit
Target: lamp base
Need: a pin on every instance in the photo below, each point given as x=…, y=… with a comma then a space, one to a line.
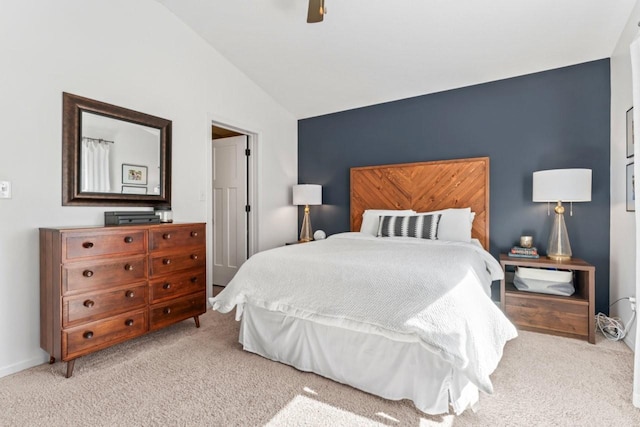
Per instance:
x=561, y=258
x=306, y=234
x=559, y=248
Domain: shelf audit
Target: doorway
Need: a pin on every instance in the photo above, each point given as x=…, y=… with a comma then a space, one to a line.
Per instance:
x=232, y=215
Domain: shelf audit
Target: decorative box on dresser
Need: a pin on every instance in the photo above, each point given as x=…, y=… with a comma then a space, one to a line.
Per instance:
x=100, y=286
x=570, y=316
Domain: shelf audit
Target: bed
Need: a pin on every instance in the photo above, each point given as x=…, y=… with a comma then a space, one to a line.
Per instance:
x=399, y=317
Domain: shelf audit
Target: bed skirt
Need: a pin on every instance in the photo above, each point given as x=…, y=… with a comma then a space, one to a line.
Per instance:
x=375, y=364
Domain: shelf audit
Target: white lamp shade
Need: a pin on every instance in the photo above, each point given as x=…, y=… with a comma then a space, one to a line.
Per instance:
x=307, y=194
x=564, y=185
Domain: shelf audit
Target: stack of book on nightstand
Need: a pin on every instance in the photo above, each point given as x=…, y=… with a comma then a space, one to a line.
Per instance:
x=520, y=252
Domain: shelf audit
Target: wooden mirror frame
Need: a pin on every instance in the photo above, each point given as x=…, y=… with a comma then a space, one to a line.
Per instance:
x=72, y=108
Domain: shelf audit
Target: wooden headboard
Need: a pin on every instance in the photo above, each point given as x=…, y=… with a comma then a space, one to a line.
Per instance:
x=423, y=187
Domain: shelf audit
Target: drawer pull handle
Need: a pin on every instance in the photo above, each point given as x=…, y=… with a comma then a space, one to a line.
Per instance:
x=88, y=303
x=194, y=256
x=128, y=267
x=128, y=239
x=166, y=236
x=88, y=335
x=87, y=273
x=194, y=234
x=194, y=279
x=128, y=322
x=167, y=310
x=166, y=261
x=129, y=294
x=87, y=245
x=166, y=286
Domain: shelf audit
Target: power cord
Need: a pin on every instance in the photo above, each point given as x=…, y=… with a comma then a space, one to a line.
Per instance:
x=612, y=327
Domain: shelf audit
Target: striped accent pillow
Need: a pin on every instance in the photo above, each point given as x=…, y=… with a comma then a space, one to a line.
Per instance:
x=419, y=226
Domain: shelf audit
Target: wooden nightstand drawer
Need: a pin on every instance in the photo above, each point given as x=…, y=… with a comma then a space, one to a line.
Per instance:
x=553, y=315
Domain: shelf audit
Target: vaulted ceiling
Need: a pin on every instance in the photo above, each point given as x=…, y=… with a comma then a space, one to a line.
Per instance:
x=372, y=51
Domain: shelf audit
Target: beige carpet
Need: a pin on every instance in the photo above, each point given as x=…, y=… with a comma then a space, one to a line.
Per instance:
x=183, y=376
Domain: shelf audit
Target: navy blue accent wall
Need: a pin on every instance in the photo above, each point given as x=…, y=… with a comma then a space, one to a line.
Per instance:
x=548, y=120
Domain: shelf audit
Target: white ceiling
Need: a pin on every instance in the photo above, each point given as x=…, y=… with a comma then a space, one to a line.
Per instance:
x=367, y=51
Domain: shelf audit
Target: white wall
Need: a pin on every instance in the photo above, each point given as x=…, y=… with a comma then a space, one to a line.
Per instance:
x=134, y=54
x=623, y=250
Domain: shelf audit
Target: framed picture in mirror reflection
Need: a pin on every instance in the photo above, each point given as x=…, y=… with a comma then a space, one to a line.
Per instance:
x=134, y=174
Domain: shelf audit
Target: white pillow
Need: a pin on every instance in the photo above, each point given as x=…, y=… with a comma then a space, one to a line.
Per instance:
x=455, y=224
x=371, y=218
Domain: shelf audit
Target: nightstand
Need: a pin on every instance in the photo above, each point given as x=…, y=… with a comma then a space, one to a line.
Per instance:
x=572, y=316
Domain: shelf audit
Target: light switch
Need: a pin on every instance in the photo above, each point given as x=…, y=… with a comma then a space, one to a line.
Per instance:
x=5, y=189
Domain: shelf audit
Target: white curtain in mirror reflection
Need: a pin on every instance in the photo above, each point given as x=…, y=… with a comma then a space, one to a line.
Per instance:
x=95, y=166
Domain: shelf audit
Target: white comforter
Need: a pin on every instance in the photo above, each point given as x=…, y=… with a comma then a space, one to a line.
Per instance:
x=406, y=289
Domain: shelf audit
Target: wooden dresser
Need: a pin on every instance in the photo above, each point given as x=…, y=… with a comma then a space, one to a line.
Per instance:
x=100, y=286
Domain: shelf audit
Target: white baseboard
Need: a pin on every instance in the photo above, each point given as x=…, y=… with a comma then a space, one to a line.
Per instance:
x=630, y=342
x=636, y=400
x=21, y=366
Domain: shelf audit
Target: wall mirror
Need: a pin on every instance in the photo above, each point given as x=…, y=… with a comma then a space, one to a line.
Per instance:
x=112, y=156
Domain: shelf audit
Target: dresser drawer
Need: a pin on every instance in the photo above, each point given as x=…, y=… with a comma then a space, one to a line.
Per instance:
x=103, y=333
x=176, y=285
x=78, y=276
x=176, y=236
x=568, y=316
x=95, y=243
x=98, y=305
x=190, y=258
x=172, y=311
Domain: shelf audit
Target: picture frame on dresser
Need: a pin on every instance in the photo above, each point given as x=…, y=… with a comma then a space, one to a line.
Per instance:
x=631, y=184
x=630, y=136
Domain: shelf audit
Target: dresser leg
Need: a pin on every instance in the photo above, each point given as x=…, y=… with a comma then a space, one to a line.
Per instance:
x=70, y=364
x=52, y=360
x=197, y=319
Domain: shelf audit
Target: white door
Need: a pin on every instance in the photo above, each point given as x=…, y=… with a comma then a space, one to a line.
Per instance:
x=229, y=201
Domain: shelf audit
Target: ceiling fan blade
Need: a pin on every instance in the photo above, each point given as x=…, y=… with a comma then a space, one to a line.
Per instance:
x=316, y=11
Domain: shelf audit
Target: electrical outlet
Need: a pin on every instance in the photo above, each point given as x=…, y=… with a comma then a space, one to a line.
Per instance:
x=5, y=189
x=632, y=301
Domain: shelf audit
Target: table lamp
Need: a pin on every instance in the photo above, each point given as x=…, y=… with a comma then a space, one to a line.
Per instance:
x=561, y=185
x=307, y=194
